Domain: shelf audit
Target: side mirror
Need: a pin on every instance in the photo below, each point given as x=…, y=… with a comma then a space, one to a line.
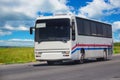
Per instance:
x=31, y=30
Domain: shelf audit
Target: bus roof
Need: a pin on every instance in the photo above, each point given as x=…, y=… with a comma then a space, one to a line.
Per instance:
x=68, y=16
x=54, y=17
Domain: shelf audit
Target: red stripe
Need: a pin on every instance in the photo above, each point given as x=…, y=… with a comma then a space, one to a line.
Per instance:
x=88, y=45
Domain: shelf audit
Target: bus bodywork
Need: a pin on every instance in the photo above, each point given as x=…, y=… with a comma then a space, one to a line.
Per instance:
x=67, y=37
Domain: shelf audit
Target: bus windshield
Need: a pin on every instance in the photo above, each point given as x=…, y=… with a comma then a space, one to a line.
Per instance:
x=52, y=29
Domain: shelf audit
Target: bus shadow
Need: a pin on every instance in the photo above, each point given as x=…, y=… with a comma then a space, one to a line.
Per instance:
x=71, y=63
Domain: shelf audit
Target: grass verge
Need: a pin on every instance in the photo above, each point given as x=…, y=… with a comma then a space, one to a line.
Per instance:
x=16, y=55
x=117, y=47
x=26, y=54
x=117, y=50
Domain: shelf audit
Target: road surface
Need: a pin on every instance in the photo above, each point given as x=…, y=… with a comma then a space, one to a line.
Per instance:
x=92, y=70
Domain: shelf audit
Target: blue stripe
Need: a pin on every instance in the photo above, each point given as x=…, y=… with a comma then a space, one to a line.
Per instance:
x=88, y=49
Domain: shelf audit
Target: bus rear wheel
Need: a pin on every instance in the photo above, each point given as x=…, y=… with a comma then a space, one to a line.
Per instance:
x=105, y=55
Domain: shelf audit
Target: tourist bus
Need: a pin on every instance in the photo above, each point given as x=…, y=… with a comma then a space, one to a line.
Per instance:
x=68, y=37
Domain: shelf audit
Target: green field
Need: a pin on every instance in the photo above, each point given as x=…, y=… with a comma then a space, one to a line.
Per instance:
x=117, y=48
x=26, y=54
x=16, y=55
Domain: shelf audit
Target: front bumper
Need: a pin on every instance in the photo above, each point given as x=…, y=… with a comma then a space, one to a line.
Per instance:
x=45, y=56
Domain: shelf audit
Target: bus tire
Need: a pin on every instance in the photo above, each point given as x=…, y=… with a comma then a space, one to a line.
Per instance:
x=82, y=56
x=105, y=55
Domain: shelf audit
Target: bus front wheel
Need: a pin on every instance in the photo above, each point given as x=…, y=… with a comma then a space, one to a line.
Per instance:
x=82, y=59
x=82, y=56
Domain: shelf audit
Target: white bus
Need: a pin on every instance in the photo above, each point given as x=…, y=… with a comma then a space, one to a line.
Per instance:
x=69, y=37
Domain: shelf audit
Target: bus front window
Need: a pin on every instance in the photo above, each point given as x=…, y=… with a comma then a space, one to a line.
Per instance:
x=52, y=29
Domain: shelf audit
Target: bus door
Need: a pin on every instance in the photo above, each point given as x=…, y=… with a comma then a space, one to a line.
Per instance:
x=73, y=51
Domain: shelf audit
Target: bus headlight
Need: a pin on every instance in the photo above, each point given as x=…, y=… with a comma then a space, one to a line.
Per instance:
x=65, y=53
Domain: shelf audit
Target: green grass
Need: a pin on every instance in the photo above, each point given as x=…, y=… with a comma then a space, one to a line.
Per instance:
x=117, y=44
x=26, y=54
x=117, y=48
x=16, y=55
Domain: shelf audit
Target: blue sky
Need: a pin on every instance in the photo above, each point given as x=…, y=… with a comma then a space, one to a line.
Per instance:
x=17, y=16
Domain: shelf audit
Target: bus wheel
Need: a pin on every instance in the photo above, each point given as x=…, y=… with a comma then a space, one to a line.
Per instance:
x=82, y=59
x=105, y=55
x=50, y=62
x=82, y=56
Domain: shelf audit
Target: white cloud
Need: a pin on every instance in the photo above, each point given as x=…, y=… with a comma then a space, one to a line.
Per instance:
x=17, y=42
x=21, y=40
x=82, y=15
x=14, y=11
x=3, y=33
x=117, y=38
x=98, y=8
x=23, y=28
x=94, y=8
x=116, y=26
x=54, y=6
x=116, y=31
x=26, y=7
x=19, y=28
x=115, y=3
x=30, y=8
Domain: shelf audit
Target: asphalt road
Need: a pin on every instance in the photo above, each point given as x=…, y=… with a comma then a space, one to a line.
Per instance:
x=92, y=70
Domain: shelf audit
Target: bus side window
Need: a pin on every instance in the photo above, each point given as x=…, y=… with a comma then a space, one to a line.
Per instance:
x=73, y=31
